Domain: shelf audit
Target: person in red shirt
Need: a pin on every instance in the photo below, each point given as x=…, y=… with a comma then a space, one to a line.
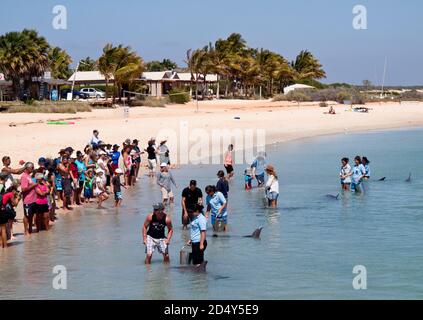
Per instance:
x=74, y=176
x=9, y=200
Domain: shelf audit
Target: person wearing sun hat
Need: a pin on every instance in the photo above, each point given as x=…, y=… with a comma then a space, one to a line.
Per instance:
x=272, y=186
x=117, y=184
x=163, y=152
x=99, y=190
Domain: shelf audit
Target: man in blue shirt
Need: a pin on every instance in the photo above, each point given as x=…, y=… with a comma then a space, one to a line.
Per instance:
x=258, y=166
x=216, y=205
x=198, y=234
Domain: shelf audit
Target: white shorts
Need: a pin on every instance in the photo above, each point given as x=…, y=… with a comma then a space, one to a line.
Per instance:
x=166, y=194
x=152, y=164
x=153, y=244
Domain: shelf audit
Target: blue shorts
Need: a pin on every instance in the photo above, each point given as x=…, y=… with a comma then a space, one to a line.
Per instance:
x=88, y=193
x=214, y=218
x=272, y=196
x=58, y=183
x=118, y=196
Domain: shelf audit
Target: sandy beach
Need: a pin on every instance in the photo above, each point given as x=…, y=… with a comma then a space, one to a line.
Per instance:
x=27, y=136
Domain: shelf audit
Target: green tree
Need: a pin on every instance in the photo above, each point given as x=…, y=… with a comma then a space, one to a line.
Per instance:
x=121, y=63
x=23, y=55
x=59, y=62
x=306, y=66
x=164, y=65
x=88, y=64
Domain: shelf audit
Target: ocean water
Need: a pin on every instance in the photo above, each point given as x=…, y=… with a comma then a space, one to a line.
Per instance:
x=308, y=249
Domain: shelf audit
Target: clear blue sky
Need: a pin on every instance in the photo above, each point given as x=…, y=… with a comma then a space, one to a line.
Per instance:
x=159, y=29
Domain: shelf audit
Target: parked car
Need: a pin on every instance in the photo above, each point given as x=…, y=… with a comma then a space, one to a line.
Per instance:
x=94, y=93
x=76, y=94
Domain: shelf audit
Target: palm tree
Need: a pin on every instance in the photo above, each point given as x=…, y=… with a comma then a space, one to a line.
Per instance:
x=106, y=64
x=196, y=62
x=87, y=64
x=306, y=66
x=122, y=64
x=59, y=62
x=23, y=55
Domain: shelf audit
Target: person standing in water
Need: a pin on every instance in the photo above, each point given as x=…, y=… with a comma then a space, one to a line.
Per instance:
x=165, y=180
x=29, y=197
x=229, y=161
x=216, y=206
x=258, y=168
x=359, y=172
x=272, y=186
x=42, y=189
x=366, y=163
x=222, y=184
x=191, y=196
x=152, y=158
x=198, y=240
x=345, y=174
x=153, y=233
x=163, y=152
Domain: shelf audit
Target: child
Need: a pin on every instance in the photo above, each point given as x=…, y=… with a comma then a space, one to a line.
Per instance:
x=88, y=186
x=43, y=190
x=9, y=200
x=117, y=187
x=99, y=189
x=248, y=179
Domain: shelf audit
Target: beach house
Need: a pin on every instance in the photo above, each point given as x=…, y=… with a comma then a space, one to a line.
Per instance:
x=159, y=83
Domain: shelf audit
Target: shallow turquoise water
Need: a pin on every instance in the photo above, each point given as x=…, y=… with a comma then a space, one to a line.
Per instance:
x=308, y=249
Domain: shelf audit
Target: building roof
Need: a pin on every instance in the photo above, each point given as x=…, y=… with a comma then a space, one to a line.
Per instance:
x=299, y=86
x=88, y=76
x=296, y=86
x=94, y=76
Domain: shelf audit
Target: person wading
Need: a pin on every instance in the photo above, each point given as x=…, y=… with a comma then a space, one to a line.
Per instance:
x=153, y=233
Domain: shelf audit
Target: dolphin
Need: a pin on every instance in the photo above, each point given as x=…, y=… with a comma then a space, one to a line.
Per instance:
x=382, y=179
x=255, y=235
x=409, y=178
x=332, y=197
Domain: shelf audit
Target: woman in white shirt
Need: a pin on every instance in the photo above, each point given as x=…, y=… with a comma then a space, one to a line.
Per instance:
x=272, y=186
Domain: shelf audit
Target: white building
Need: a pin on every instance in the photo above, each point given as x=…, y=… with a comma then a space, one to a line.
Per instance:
x=296, y=86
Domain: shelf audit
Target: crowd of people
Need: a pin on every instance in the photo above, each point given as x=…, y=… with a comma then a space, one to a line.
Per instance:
x=101, y=170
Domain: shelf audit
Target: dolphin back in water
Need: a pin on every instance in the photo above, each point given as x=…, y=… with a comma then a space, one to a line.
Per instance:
x=331, y=196
x=255, y=235
x=409, y=178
